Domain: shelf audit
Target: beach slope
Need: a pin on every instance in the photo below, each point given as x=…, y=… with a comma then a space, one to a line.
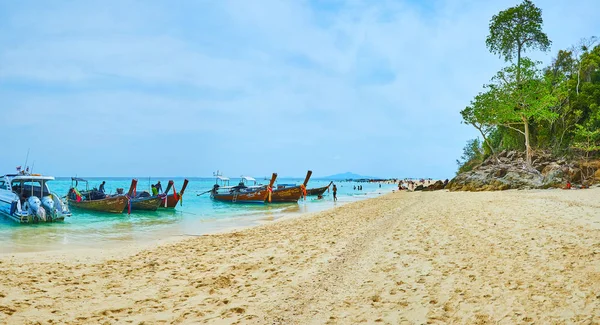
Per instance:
x=514, y=257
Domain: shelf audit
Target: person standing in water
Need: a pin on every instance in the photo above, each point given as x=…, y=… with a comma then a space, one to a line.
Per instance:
x=334, y=193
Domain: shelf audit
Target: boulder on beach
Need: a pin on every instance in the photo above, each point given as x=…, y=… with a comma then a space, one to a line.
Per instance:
x=509, y=170
x=438, y=185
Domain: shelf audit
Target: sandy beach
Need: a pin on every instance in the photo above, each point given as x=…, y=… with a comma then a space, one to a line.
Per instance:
x=514, y=257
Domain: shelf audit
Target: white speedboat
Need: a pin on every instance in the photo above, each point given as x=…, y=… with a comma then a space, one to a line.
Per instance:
x=26, y=198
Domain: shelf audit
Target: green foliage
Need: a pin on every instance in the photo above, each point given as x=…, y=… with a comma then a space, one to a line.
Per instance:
x=509, y=101
x=586, y=140
x=472, y=156
x=515, y=97
x=516, y=29
x=555, y=109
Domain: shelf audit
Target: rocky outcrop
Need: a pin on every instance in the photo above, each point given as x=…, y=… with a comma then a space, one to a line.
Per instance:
x=439, y=185
x=508, y=170
x=419, y=188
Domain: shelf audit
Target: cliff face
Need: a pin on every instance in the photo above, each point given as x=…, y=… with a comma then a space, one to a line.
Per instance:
x=508, y=170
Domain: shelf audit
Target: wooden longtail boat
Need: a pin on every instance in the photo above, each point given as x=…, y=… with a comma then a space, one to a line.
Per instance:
x=147, y=202
x=285, y=193
x=97, y=201
x=242, y=194
x=317, y=190
x=175, y=197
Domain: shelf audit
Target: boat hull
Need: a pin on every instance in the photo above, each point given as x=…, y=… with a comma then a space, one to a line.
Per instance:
x=252, y=197
x=173, y=199
x=147, y=203
x=24, y=217
x=114, y=204
x=317, y=191
x=12, y=208
x=290, y=194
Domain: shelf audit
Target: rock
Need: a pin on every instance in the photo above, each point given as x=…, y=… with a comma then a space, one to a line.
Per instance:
x=500, y=172
x=509, y=171
x=439, y=185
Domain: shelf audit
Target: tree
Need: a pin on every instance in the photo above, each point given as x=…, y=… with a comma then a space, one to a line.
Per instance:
x=587, y=141
x=472, y=156
x=476, y=117
x=511, y=103
x=584, y=45
x=515, y=30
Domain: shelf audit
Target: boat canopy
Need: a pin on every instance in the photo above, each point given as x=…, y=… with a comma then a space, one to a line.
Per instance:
x=77, y=179
x=223, y=178
x=248, y=178
x=29, y=177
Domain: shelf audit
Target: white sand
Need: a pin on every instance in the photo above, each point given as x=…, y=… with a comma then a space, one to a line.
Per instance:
x=515, y=257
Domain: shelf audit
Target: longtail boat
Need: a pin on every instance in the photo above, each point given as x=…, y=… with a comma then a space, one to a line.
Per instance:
x=242, y=193
x=290, y=193
x=96, y=200
x=175, y=197
x=317, y=190
x=147, y=202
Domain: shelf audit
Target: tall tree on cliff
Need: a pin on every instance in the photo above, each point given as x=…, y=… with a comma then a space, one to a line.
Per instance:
x=512, y=32
x=508, y=102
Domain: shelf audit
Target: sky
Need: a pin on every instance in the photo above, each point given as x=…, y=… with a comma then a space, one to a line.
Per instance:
x=185, y=88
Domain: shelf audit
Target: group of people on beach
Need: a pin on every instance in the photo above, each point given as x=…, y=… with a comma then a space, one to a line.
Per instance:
x=408, y=184
x=411, y=185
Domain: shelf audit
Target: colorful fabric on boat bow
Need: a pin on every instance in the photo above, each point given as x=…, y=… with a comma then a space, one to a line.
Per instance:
x=270, y=190
x=77, y=195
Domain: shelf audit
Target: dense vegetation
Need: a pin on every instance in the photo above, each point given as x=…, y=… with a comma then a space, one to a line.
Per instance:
x=526, y=107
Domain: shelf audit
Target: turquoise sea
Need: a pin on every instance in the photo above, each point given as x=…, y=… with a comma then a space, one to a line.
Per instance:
x=196, y=216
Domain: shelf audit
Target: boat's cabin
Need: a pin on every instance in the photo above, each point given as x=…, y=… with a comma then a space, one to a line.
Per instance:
x=222, y=181
x=247, y=181
x=87, y=194
x=26, y=185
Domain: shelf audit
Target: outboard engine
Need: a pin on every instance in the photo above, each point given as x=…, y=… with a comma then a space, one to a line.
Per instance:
x=48, y=204
x=35, y=207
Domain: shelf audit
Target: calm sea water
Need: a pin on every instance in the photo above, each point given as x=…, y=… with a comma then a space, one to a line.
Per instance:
x=196, y=216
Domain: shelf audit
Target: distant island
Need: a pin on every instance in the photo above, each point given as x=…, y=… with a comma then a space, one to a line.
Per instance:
x=347, y=175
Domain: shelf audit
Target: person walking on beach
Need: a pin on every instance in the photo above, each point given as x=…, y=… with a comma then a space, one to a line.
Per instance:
x=334, y=193
x=158, y=187
x=101, y=188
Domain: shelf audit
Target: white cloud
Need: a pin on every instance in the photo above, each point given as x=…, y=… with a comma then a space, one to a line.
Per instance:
x=361, y=76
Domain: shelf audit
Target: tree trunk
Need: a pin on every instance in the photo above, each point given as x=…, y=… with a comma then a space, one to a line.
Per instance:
x=578, y=78
x=527, y=145
x=487, y=142
x=519, y=63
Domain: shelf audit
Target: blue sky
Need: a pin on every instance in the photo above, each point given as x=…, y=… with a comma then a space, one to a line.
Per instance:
x=183, y=88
